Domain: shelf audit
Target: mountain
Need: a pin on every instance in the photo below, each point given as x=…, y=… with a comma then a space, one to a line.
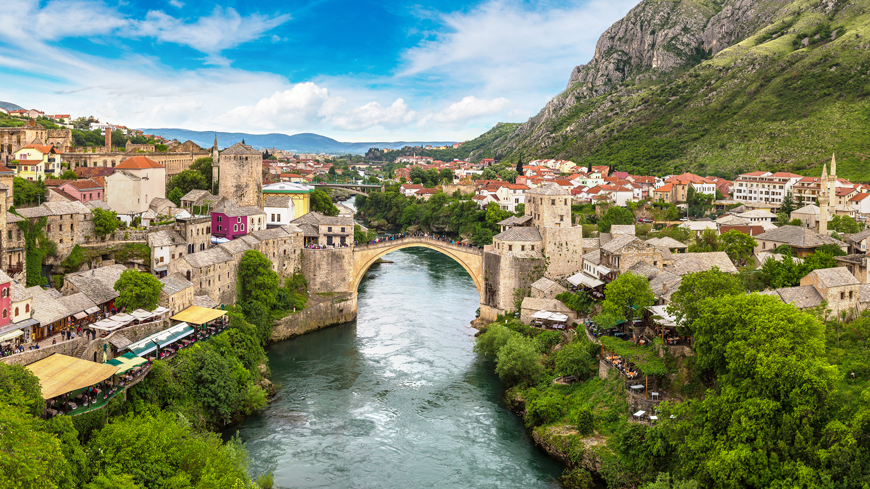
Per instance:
x=10, y=106
x=715, y=88
x=303, y=143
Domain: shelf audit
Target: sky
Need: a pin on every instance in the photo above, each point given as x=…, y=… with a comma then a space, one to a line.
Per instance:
x=358, y=70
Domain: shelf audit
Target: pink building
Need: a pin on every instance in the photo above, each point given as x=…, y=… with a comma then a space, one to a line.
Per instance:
x=83, y=190
x=5, y=299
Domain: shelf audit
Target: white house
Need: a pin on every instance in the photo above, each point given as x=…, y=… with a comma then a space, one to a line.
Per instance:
x=280, y=210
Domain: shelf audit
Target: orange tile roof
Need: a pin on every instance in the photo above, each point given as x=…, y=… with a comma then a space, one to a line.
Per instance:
x=665, y=188
x=138, y=163
x=42, y=148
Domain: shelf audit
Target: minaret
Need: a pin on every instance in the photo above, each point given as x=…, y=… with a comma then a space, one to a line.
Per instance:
x=824, y=199
x=108, y=139
x=215, y=164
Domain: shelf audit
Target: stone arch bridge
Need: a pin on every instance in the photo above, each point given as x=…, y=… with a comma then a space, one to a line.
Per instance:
x=470, y=257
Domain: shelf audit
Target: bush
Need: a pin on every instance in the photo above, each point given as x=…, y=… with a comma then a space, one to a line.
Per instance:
x=574, y=359
x=545, y=409
x=547, y=340
x=584, y=420
x=577, y=479
x=493, y=339
x=518, y=361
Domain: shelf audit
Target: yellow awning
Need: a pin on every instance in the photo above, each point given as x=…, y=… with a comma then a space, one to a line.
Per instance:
x=198, y=315
x=59, y=374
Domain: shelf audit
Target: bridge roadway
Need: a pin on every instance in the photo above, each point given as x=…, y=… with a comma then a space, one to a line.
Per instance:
x=470, y=257
x=357, y=188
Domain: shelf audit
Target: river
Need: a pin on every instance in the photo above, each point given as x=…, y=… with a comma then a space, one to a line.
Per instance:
x=397, y=398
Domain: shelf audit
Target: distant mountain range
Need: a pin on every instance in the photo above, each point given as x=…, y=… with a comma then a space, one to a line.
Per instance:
x=302, y=143
x=10, y=106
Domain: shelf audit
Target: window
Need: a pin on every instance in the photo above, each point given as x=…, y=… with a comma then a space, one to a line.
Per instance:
x=842, y=295
x=220, y=228
x=220, y=218
x=329, y=229
x=61, y=228
x=342, y=229
x=522, y=247
x=533, y=247
x=5, y=313
x=510, y=247
x=9, y=234
x=242, y=227
x=235, y=227
x=238, y=219
x=850, y=294
x=16, y=311
x=552, y=201
x=161, y=259
x=48, y=228
x=26, y=307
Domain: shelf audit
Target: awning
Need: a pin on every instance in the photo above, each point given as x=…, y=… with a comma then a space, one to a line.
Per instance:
x=664, y=318
x=126, y=362
x=80, y=315
x=11, y=335
x=198, y=315
x=59, y=374
x=105, y=325
x=119, y=341
x=92, y=310
x=141, y=314
x=122, y=319
x=582, y=278
x=541, y=315
x=602, y=270
x=167, y=336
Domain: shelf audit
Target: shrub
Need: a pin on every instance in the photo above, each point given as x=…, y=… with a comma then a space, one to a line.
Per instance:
x=584, y=420
x=545, y=409
x=574, y=359
x=547, y=340
x=492, y=340
x=518, y=361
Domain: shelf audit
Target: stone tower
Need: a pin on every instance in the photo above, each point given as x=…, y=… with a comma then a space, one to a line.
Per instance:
x=215, y=165
x=108, y=139
x=240, y=175
x=827, y=190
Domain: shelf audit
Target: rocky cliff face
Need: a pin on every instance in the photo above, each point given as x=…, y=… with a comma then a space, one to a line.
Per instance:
x=653, y=40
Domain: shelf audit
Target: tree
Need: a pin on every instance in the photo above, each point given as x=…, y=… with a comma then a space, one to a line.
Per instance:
x=257, y=281
x=574, y=359
x=105, y=222
x=615, y=215
x=627, y=296
x=204, y=167
x=845, y=225
x=495, y=214
x=321, y=202
x=520, y=167
x=446, y=175
x=739, y=246
x=175, y=196
x=27, y=192
x=518, y=361
x=186, y=181
x=138, y=290
x=831, y=249
x=69, y=175
x=694, y=288
x=787, y=206
x=493, y=339
x=705, y=242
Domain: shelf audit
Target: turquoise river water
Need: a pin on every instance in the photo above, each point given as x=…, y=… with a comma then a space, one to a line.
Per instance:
x=397, y=398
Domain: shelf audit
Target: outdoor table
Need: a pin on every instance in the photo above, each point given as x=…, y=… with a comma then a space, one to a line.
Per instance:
x=639, y=414
x=73, y=405
x=637, y=387
x=654, y=418
x=655, y=395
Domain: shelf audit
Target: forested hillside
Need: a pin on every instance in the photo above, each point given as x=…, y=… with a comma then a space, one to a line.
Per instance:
x=714, y=88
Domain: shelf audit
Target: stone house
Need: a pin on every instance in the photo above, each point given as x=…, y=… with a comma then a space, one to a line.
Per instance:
x=199, y=202
x=97, y=284
x=177, y=293
x=196, y=231
x=323, y=230
x=13, y=248
x=808, y=215
x=212, y=272
x=166, y=245
x=230, y=220
x=545, y=288
x=83, y=190
x=802, y=241
x=522, y=242
x=531, y=305
x=623, y=251
x=686, y=263
x=838, y=288
x=549, y=206
x=50, y=314
x=858, y=242
x=668, y=243
x=857, y=264
x=14, y=138
x=67, y=223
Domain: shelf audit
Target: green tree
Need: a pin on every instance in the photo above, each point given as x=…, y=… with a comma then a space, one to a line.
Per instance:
x=186, y=181
x=69, y=175
x=495, y=214
x=27, y=192
x=321, y=202
x=705, y=242
x=739, y=246
x=518, y=361
x=493, y=339
x=694, y=288
x=615, y=215
x=831, y=249
x=446, y=175
x=844, y=225
x=574, y=359
x=256, y=279
x=628, y=296
x=138, y=290
x=105, y=222
x=204, y=167
x=175, y=196
x=788, y=205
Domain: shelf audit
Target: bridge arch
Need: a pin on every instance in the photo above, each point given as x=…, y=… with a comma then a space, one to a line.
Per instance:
x=471, y=259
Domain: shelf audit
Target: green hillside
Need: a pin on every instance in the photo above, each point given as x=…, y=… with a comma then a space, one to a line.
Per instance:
x=784, y=98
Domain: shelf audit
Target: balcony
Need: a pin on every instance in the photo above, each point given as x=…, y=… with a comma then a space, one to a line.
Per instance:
x=15, y=268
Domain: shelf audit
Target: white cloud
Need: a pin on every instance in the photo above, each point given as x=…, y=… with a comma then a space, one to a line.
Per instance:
x=176, y=3
x=471, y=107
x=374, y=114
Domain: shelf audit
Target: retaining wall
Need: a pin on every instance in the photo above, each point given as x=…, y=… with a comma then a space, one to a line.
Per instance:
x=338, y=310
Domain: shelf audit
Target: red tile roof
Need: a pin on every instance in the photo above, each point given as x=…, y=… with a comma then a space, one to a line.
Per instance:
x=138, y=163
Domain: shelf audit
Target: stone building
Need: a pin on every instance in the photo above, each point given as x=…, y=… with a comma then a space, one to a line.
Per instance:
x=136, y=181
x=323, y=230
x=97, y=284
x=166, y=245
x=200, y=202
x=239, y=174
x=545, y=288
x=14, y=138
x=802, y=241
x=173, y=162
x=230, y=220
x=67, y=223
x=835, y=287
x=623, y=251
x=177, y=293
x=196, y=232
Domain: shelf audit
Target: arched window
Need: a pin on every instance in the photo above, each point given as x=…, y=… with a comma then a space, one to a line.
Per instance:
x=16, y=311
x=26, y=307
x=5, y=313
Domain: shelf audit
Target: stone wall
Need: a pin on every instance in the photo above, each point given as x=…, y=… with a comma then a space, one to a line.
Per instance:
x=30, y=356
x=503, y=275
x=328, y=270
x=563, y=248
x=463, y=189
x=316, y=316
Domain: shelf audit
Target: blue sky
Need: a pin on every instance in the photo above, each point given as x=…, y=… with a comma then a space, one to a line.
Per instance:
x=352, y=70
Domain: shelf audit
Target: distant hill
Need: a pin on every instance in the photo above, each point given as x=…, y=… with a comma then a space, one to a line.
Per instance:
x=10, y=106
x=303, y=143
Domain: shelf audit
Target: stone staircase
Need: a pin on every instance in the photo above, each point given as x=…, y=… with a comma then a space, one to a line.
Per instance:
x=80, y=350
